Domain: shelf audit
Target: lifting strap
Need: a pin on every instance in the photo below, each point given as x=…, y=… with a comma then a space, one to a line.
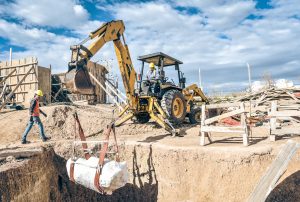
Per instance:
x=103, y=151
x=110, y=127
x=82, y=137
x=84, y=145
x=72, y=171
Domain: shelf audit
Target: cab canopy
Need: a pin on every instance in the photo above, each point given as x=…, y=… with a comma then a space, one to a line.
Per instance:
x=160, y=59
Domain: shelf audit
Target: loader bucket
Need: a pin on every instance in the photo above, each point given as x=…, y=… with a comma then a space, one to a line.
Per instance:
x=79, y=81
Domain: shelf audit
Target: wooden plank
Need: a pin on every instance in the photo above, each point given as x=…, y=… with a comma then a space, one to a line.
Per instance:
x=20, y=82
x=286, y=131
x=244, y=125
x=3, y=91
x=288, y=102
x=296, y=119
x=21, y=65
x=6, y=77
x=222, y=129
x=112, y=97
x=292, y=96
x=291, y=107
x=223, y=105
x=284, y=113
x=274, y=172
x=24, y=83
x=222, y=116
x=203, y=116
x=260, y=100
x=257, y=108
x=116, y=93
x=273, y=121
x=57, y=93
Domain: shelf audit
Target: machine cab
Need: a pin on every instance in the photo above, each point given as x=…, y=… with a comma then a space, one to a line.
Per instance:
x=155, y=85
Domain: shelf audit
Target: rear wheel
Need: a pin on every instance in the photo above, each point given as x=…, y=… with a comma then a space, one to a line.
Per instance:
x=195, y=116
x=174, y=105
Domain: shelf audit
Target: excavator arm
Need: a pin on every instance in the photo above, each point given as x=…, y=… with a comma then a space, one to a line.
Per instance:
x=81, y=82
x=110, y=31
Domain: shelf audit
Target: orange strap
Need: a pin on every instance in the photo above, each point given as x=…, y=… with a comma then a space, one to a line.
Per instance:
x=103, y=152
x=82, y=137
x=72, y=172
x=110, y=127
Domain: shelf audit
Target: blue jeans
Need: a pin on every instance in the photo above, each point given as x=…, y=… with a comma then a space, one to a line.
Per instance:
x=37, y=120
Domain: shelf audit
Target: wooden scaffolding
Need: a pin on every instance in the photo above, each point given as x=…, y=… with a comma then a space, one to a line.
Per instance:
x=20, y=78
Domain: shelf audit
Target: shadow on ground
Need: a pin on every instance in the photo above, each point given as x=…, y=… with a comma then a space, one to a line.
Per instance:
x=239, y=140
x=286, y=191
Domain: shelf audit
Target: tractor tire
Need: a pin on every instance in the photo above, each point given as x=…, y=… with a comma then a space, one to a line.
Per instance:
x=174, y=105
x=143, y=117
x=195, y=116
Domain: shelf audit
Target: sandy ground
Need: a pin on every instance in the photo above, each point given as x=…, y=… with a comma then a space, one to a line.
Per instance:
x=59, y=125
x=225, y=159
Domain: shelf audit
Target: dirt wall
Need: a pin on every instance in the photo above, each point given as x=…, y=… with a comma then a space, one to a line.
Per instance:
x=157, y=173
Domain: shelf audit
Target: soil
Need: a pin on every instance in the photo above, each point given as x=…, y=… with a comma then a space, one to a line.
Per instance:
x=161, y=168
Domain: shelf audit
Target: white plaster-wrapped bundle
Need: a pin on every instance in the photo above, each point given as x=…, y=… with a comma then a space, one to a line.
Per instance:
x=114, y=174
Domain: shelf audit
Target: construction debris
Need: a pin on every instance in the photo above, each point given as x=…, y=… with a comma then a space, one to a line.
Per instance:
x=265, y=96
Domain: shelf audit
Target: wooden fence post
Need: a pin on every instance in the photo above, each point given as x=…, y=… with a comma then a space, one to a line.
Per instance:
x=273, y=121
x=203, y=116
x=244, y=125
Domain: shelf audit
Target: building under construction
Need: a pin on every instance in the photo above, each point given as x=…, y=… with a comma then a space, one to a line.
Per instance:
x=20, y=78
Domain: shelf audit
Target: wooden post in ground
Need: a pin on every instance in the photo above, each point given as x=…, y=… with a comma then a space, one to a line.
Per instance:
x=244, y=125
x=273, y=121
x=203, y=134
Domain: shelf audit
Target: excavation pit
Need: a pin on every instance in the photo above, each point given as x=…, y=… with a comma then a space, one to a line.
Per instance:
x=161, y=168
x=157, y=173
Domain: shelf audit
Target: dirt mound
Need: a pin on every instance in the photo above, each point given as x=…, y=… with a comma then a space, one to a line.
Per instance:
x=60, y=123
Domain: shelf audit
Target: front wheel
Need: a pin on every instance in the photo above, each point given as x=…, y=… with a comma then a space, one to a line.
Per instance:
x=174, y=105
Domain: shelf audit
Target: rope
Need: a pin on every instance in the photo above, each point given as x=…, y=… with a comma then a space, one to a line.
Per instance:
x=75, y=130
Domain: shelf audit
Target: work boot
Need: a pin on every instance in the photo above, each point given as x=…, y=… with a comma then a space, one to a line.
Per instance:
x=25, y=142
x=46, y=138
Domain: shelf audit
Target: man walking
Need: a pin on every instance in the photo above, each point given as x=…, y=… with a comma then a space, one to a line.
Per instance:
x=34, y=112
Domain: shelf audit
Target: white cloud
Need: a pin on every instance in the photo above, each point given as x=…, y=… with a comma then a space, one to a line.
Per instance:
x=218, y=39
x=269, y=44
x=53, y=13
x=48, y=47
x=221, y=14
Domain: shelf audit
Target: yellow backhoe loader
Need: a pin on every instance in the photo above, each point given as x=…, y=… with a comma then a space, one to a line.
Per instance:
x=168, y=102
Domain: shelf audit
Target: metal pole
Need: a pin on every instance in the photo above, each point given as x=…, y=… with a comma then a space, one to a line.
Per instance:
x=200, y=79
x=10, y=56
x=249, y=76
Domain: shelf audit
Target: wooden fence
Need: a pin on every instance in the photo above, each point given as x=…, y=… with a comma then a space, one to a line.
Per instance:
x=208, y=127
x=280, y=112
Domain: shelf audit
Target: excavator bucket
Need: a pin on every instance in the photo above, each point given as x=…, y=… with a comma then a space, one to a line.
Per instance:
x=79, y=81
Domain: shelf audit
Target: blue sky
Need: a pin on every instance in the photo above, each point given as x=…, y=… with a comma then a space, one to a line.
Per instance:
x=218, y=36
